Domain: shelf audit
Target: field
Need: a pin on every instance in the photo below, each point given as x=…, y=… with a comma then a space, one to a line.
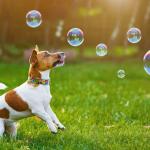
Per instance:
x=100, y=111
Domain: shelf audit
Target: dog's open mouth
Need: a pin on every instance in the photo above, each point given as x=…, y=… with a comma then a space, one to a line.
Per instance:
x=59, y=62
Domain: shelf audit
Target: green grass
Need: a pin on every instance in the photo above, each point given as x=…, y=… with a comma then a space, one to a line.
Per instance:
x=87, y=98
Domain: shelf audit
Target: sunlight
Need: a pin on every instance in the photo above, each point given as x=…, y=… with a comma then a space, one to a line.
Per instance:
x=119, y=2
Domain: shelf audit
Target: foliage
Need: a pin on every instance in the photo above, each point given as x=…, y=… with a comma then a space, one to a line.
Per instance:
x=118, y=51
x=12, y=49
x=89, y=12
x=121, y=51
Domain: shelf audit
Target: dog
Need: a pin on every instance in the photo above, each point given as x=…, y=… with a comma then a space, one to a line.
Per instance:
x=33, y=97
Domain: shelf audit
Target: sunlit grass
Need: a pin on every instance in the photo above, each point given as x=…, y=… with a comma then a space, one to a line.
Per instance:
x=99, y=110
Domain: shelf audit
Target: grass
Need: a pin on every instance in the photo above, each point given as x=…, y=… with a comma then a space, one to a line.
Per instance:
x=100, y=111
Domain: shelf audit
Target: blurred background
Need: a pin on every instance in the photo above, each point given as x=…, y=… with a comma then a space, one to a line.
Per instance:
x=102, y=21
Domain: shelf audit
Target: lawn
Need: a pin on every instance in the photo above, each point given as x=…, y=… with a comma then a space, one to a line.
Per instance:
x=100, y=111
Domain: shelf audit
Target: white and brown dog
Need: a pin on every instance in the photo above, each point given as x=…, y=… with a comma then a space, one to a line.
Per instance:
x=32, y=98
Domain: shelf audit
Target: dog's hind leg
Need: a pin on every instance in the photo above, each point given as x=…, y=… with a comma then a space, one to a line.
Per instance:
x=11, y=129
x=2, y=127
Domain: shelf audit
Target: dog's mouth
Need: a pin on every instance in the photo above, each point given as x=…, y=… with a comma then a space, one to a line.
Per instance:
x=60, y=62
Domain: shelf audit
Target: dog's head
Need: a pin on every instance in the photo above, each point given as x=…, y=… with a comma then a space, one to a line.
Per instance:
x=44, y=60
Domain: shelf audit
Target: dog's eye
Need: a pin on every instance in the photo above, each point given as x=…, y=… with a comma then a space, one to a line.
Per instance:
x=46, y=54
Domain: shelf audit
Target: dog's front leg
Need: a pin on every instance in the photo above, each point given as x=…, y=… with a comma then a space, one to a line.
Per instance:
x=41, y=113
x=54, y=117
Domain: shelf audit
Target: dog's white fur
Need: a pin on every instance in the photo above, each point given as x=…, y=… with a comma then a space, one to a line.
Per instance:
x=38, y=99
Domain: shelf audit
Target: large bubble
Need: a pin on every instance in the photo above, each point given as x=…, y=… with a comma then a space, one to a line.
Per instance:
x=134, y=35
x=146, y=60
x=101, y=49
x=75, y=37
x=33, y=19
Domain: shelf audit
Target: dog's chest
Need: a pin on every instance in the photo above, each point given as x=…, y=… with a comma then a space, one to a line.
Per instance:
x=42, y=93
x=33, y=95
x=46, y=94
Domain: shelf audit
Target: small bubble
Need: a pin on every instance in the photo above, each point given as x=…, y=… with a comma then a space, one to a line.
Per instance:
x=75, y=37
x=101, y=49
x=121, y=74
x=146, y=60
x=134, y=35
x=33, y=18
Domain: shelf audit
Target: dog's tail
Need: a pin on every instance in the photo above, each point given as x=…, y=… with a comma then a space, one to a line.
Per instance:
x=3, y=86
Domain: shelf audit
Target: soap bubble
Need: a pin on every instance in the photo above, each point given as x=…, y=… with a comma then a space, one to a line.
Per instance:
x=134, y=35
x=75, y=37
x=121, y=74
x=33, y=18
x=101, y=49
x=146, y=60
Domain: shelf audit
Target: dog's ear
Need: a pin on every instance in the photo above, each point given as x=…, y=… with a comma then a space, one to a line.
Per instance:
x=37, y=48
x=33, y=59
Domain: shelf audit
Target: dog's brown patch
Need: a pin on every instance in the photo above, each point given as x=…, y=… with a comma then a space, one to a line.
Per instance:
x=34, y=72
x=15, y=101
x=4, y=113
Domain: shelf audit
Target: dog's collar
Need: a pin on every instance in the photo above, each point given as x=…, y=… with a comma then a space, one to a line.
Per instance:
x=38, y=81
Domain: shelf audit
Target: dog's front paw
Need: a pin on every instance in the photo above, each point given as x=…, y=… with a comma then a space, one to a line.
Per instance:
x=54, y=130
x=61, y=126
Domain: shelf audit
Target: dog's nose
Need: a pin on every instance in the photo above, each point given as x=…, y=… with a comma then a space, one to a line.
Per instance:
x=62, y=54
